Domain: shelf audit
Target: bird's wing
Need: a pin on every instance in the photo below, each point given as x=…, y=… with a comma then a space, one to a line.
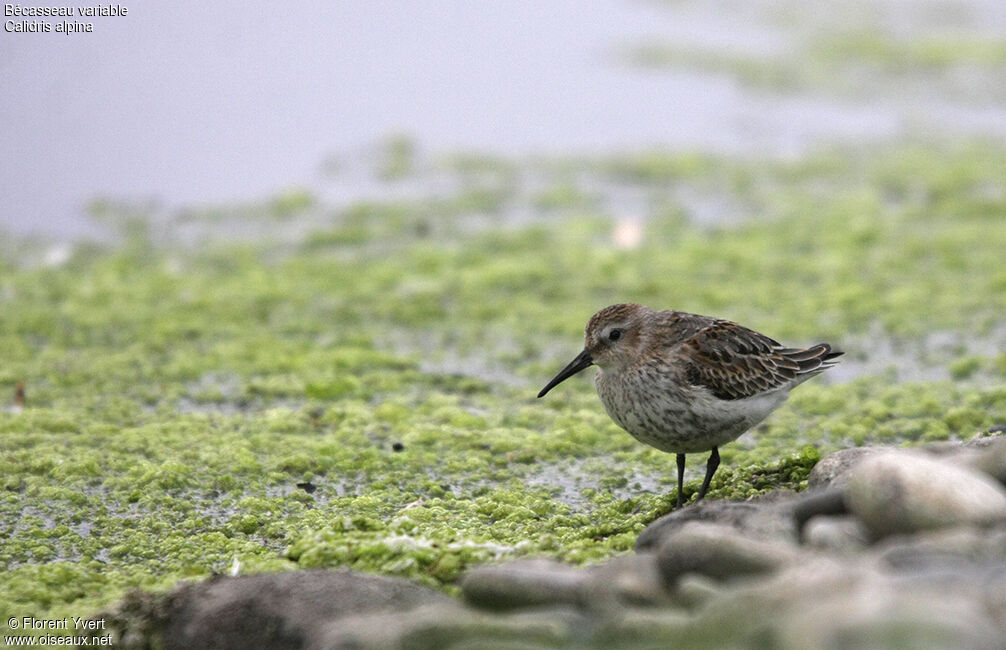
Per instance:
x=735, y=362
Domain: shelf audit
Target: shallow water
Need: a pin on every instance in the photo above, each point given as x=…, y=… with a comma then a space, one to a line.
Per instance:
x=264, y=99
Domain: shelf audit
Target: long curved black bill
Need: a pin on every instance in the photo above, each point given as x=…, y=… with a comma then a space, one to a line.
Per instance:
x=582, y=360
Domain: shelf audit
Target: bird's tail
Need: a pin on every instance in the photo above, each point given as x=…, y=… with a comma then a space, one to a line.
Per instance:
x=812, y=360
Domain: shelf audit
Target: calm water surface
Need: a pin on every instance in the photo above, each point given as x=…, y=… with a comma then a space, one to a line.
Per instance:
x=189, y=102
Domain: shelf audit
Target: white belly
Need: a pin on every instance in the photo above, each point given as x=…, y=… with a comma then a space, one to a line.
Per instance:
x=684, y=419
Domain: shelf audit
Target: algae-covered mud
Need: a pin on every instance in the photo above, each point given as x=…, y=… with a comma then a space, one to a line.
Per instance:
x=299, y=382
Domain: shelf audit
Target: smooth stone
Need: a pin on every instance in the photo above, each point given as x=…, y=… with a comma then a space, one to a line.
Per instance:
x=823, y=501
x=833, y=470
x=719, y=552
x=878, y=614
x=904, y=492
x=695, y=590
x=943, y=546
x=523, y=583
x=844, y=535
x=823, y=604
x=765, y=519
x=642, y=628
x=749, y=614
x=943, y=449
x=956, y=453
x=625, y=581
x=435, y=627
x=995, y=598
x=278, y=610
x=992, y=460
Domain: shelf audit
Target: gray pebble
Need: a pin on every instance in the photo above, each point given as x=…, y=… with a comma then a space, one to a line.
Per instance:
x=625, y=581
x=523, y=583
x=434, y=627
x=844, y=535
x=968, y=543
x=719, y=552
x=764, y=519
x=905, y=492
x=278, y=610
x=992, y=460
x=833, y=469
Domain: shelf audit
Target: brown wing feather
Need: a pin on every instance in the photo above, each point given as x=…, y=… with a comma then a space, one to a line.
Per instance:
x=735, y=362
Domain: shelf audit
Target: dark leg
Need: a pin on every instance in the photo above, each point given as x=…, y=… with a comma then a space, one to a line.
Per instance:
x=711, y=465
x=681, y=478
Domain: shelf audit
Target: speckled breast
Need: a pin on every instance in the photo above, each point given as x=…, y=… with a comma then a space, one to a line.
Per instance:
x=675, y=417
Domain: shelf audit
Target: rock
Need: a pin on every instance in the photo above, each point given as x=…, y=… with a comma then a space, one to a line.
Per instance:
x=625, y=581
x=695, y=590
x=524, y=583
x=956, y=453
x=992, y=460
x=386, y=630
x=995, y=433
x=822, y=604
x=942, y=449
x=941, y=547
x=875, y=613
x=833, y=469
x=994, y=597
x=723, y=512
x=965, y=563
x=749, y=614
x=761, y=519
x=435, y=627
x=905, y=492
x=843, y=535
x=279, y=610
x=642, y=628
x=824, y=501
x=720, y=552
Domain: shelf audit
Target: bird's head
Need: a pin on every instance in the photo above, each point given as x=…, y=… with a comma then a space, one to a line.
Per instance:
x=612, y=340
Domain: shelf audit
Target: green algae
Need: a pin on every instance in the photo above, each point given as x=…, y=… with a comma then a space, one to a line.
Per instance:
x=177, y=396
x=862, y=50
x=845, y=62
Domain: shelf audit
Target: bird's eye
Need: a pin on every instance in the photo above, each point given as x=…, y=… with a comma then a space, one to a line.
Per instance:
x=614, y=335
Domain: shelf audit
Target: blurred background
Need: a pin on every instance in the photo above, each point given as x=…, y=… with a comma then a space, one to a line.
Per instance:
x=189, y=104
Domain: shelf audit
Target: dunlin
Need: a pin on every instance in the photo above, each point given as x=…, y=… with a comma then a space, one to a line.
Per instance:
x=685, y=383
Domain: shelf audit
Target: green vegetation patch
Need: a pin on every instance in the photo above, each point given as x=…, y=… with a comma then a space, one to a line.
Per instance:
x=868, y=50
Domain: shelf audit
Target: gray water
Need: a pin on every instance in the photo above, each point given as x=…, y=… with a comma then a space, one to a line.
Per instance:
x=188, y=103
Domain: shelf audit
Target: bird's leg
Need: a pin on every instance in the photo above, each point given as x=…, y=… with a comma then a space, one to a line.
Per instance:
x=681, y=478
x=711, y=465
